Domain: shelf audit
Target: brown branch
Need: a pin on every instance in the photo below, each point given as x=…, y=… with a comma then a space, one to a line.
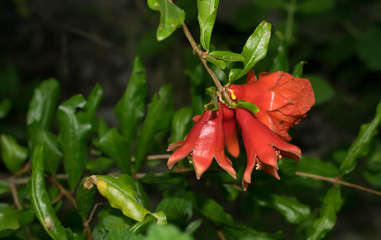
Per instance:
x=63, y=191
x=337, y=181
x=221, y=235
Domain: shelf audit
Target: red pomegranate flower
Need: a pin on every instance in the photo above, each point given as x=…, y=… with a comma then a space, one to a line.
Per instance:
x=282, y=99
x=204, y=142
x=263, y=147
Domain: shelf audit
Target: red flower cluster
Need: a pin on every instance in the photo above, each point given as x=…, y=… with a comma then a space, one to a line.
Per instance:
x=283, y=101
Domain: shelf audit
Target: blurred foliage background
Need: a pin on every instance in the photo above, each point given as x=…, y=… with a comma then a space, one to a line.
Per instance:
x=84, y=42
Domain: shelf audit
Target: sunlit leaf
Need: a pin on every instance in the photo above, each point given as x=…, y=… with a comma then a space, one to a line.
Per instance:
x=131, y=107
x=40, y=200
x=181, y=123
x=158, y=119
x=120, y=191
x=360, y=146
x=12, y=154
x=207, y=12
x=254, y=50
x=72, y=138
x=171, y=17
x=117, y=147
x=328, y=214
x=165, y=232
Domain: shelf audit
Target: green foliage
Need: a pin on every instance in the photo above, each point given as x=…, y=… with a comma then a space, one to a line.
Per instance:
x=322, y=89
x=40, y=200
x=171, y=17
x=207, y=13
x=12, y=153
x=181, y=123
x=248, y=106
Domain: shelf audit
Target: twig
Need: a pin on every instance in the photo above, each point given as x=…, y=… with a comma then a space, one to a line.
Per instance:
x=221, y=235
x=337, y=181
x=63, y=190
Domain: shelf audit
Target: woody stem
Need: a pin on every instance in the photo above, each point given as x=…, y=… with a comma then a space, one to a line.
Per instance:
x=202, y=55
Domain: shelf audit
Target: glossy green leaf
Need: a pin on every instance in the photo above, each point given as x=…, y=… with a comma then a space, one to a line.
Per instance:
x=85, y=200
x=360, y=146
x=165, y=232
x=171, y=17
x=4, y=187
x=5, y=107
x=120, y=191
x=207, y=13
x=317, y=166
x=37, y=136
x=181, y=124
x=218, y=63
x=99, y=165
x=41, y=107
x=322, y=89
x=158, y=120
x=248, y=106
x=40, y=200
x=213, y=211
x=227, y=56
x=254, y=50
x=178, y=210
x=118, y=234
x=316, y=6
x=328, y=214
x=9, y=218
x=93, y=101
x=298, y=69
x=293, y=211
x=72, y=138
x=118, y=148
x=131, y=107
x=280, y=62
x=102, y=127
x=12, y=153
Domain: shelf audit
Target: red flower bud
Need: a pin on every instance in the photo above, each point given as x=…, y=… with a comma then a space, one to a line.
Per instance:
x=204, y=142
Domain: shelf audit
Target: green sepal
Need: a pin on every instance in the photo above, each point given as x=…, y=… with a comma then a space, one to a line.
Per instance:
x=248, y=106
x=298, y=69
x=213, y=105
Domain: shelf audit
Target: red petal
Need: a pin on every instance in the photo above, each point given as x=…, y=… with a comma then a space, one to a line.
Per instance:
x=230, y=132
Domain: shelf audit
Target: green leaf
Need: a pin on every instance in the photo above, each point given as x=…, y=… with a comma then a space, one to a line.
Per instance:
x=181, y=124
x=72, y=138
x=123, y=234
x=40, y=200
x=5, y=107
x=254, y=50
x=218, y=63
x=85, y=200
x=117, y=147
x=4, y=188
x=360, y=147
x=9, y=218
x=178, y=210
x=171, y=17
x=227, y=56
x=317, y=166
x=158, y=120
x=198, y=82
x=37, y=136
x=213, y=211
x=207, y=13
x=193, y=226
x=328, y=215
x=131, y=107
x=93, y=101
x=213, y=105
x=41, y=107
x=99, y=165
x=322, y=89
x=12, y=153
x=120, y=192
x=280, y=62
x=294, y=211
x=298, y=69
x=165, y=232
x=373, y=178
x=367, y=47
x=248, y=106
x=316, y=6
